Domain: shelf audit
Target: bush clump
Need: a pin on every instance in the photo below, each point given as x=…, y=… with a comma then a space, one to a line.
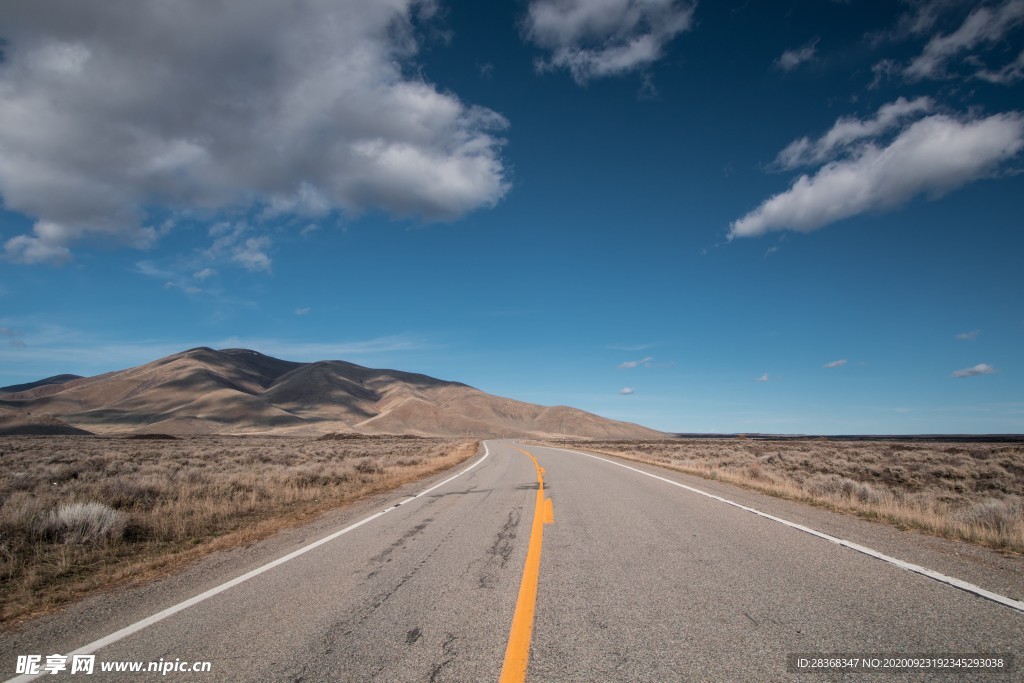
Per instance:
x=84, y=523
x=998, y=516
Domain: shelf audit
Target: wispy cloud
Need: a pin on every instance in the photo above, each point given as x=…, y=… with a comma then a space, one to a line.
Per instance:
x=835, y=364
x=986, y=25
x=849, y=130
x=1010, y=73
x=631, y=347
x=626, y=391
x=979, y=369
x=608, y=38
x=236, y=243
x=312, y=351
x=932, y=156
x=762, y=378
x=304, y=310
x=968, y=336
x=13, y=337
x=920, y=18
x=646, y=362
x=791, y=59
x=191, y=290
x=50, y=349
x=185, y=278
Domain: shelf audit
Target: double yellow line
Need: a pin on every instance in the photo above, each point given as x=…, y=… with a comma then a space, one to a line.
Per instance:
x=518, y=651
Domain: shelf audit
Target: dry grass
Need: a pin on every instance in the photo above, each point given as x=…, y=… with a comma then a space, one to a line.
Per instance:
x=78, y=514
x=968, y=491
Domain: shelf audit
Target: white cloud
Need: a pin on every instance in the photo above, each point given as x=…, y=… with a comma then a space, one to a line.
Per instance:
x=1011, y=73
x=922, y=16
x=204, y=273
x=626, y=391
x=251, y=254
x=593, y=39
x=968, y=336
x=979, y=369
x=985, y=25
x=107, y=110
x=762, y=378
x=39, y=248
x=304, y=310
x=234, y=242
x=645, y=362
x=849, y=130
x=791, y=59
x=835, y=364
x=932, y=156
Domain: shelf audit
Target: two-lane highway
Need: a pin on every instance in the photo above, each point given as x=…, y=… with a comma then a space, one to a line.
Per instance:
x=636, y=580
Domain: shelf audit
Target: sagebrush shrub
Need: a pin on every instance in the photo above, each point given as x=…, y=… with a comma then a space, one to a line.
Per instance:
x=85, y=523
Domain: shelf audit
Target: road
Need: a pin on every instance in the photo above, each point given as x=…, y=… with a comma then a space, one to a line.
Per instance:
x=635, y=579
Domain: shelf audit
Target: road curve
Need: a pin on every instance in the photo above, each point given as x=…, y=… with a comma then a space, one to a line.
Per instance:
x=639, y=580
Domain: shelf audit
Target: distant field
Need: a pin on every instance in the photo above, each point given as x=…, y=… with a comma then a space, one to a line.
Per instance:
x=965, y=490
x=79, y=514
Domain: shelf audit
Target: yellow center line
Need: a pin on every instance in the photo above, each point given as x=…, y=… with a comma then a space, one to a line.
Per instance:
x=518, y=651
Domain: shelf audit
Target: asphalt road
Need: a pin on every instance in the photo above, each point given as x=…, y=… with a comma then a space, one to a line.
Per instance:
x=637, y=580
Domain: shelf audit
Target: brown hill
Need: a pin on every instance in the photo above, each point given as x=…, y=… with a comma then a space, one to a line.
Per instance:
x=237, y=391
x=16, y=422
x=56, y=379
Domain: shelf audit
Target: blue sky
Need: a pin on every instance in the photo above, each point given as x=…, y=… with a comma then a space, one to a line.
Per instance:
x=768, y=217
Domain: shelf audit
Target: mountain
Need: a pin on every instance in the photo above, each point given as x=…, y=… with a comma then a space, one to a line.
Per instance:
x=238, y=391
x=56, y=379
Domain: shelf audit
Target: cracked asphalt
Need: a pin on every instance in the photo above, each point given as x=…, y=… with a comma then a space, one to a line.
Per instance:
x=639, y=581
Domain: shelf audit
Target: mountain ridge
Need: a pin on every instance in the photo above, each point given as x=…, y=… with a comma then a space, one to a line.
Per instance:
x=241, y=391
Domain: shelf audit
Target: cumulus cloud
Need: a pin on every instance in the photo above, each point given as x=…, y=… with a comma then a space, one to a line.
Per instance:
x=605, y=38
x=646, y=362
x=968, y=336
x=791, y=59
x=111, y=110
x=932, y=156
x=835, y=364
x=984, y=26
x=849, y=130
x=626, y=391
x=762, y=378
x=979, y=369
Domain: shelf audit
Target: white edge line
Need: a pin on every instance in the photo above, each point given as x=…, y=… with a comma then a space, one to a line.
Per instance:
x=174, y=609
x=924, y=571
